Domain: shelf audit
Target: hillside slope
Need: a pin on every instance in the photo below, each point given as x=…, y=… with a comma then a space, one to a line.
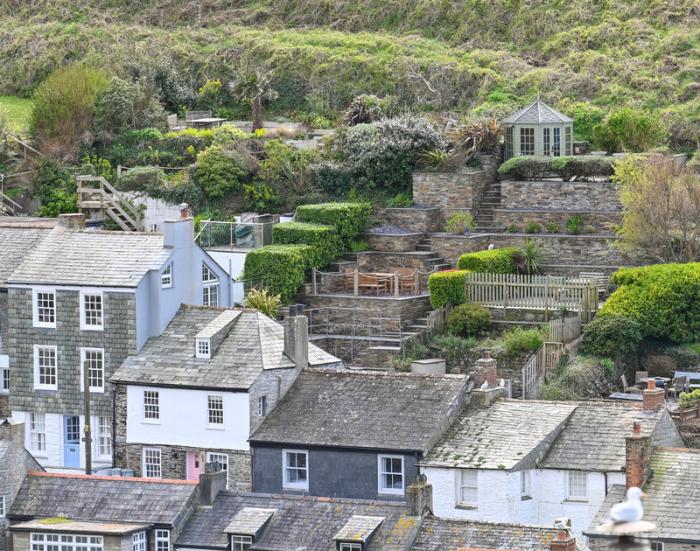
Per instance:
x=483, y=55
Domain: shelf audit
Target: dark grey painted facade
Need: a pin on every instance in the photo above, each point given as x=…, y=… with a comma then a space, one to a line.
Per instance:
x=333, y=472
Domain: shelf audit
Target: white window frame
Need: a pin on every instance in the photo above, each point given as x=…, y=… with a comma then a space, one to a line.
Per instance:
x=65, y=542
x=37, y=384
x=3, y=509
x=4, y=374
x=84, y=351
x=84, y=325
x=240, y=542
x=349, y=546
x=154, y=397
x=220, y=458
x=525, y=484
x=381, y=488
x=210, y=283
x=162, y=540
x=570, y=481
x=262, y=406
x=216, y=413
x=166, y=277
x=36, y=426
x=656, y=545
x=471, y=484
x=138, y=541
x=202, y=348
x=104, y=437
x=145, y=464
x=35, y=307
x=303, y=485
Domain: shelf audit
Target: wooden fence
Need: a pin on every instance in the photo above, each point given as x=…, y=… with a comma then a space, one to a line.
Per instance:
x=534, y=292
x=565, y=330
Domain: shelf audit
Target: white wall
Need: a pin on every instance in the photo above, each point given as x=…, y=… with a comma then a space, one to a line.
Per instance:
x=500, y=500
x=157, y=210
x=184, y=419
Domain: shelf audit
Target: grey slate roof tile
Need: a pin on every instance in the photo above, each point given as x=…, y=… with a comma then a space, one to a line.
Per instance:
x=254, y=343
x=300, y=522
x=16, y=243
x=249, y=521
x=536, y=113
x=92, y=498
x=358, y=528
x=91, y=258
x=363, y=409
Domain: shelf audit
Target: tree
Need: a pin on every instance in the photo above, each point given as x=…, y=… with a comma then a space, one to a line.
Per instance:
x=254, y=87
x=661, y=208
x=630, y=130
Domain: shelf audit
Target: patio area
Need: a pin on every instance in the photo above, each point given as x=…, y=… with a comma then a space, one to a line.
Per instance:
x=397, y=282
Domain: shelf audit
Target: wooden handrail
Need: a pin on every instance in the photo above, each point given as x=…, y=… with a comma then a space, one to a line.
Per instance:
x=24, y=144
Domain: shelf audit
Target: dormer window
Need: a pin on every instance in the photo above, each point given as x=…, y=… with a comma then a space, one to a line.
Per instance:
x=358, y=530
x=203, y=348
x=349, y=546
x=166, y=277
x=246, y=526
x=241, y=543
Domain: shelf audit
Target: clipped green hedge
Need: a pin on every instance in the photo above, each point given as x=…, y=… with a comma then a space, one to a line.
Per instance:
x=447, y=287
x=531, y=167
x=279, y=268
x=324, y=240
x=664, y=299
x=468, y=320
x=495, y=261
x=349, y=219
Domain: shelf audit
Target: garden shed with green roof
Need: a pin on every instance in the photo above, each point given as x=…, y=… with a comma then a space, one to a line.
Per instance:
x=537, y=130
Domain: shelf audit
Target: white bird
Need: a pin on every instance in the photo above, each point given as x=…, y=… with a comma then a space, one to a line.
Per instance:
x=502, y=383
x=484, y=386
x=630, y=510
x=491, y=246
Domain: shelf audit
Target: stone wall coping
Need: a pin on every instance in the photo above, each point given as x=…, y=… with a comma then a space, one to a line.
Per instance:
x=584, y=211
x=417, y=254
x=556, y=181
x=457, y=171
x=443, y=235
x=412, y=209
x=370, y=297
x=404, y=234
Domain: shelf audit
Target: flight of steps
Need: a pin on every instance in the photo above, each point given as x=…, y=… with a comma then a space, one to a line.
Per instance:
x=431, y=259
x=382, y=354
x=491, y=201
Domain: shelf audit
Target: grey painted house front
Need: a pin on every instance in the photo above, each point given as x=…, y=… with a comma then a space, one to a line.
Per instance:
x=353, y=434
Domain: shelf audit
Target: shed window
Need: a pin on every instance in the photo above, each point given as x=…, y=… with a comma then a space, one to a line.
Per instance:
x=241, y=543
x=509, y=142
x=546, y=140
x=567, y=140
x=556, y=143
x=468, y=487
x=578, y=486
x=527, y=141
x=390, y=474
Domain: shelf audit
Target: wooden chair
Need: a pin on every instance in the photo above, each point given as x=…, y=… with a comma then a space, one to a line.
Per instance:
x=640, y=375
x=629, y=389
x=372, y=282
x=407, y=280
x=678, y=385
x=349, y=279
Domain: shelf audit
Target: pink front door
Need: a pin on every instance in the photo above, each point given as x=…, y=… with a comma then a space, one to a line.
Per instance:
x=194, y=463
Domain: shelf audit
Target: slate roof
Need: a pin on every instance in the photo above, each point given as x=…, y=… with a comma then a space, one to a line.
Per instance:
x=97, y=498
x=249, y=520
x=79, y=526
x=300, y=522
x=363, y=409
x=594, y=437
x=537, y=113
x=16, y=243
x=673, y=499
x=502, y=436
x=438, y=534
x=254, y=343
x=91, y=258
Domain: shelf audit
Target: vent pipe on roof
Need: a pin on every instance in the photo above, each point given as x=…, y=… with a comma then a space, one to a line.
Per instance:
x=296, y=336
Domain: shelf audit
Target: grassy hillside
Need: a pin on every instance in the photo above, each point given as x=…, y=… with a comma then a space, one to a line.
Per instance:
x=486, y=56
x=17, y=111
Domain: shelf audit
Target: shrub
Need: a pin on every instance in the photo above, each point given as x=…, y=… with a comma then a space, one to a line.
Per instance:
x=533, y=227
x=608, y=336
x=518, y=339
x=629, y=130
x=264, y=301
x=280, y=268
x=496, y=261
x=401, y=200
x=581, y=378
x=460, y=222
x=527, y=168
x=456, y=350
x=333, y=177
x=324, y=240
x=218, y=173
x=513, y=228
x=140, y=178
x=574, y=224
x=468, y=320
x=359, y=246
x=447, y=287
x=690, y=399
x=363, y=109
x=528, y=259
x=664, y=299
x=349, y=219
x=55, y=187
x=553, y=227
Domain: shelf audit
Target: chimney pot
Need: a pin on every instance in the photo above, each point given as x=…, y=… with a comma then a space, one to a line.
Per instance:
x=652, y=397
x=184, y=211
x=651, y=384
x=563, y=541
x=486, y=370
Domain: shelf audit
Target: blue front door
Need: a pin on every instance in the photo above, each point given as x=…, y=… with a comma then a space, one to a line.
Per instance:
x=71, y=441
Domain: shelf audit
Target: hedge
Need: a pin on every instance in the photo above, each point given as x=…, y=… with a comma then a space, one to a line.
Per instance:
x=279, y=268
x=324, y=240
x=496, y=261
x=530, y=167
x=349, y=219
x=447, y=287
x=468, y=320
x=664, y=299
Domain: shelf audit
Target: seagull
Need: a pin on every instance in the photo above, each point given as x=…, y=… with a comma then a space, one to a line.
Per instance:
x=630, y=510
x=502, y=383
x=484, y=386
x=491, y=246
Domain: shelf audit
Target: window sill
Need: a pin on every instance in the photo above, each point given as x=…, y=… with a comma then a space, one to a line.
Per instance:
x=88, y=328
x=576, y=500
x=44, y=326
x=295, y=489
x=462, y=507
x=215, y=427
x=525, y=498
x=49, y=388
x=150, y=421
x=390, y=493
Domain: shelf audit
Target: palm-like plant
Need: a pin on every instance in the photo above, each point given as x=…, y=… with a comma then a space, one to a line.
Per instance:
x=254, y=87
x=264, y=301
x=472, y=138
x=530, y=257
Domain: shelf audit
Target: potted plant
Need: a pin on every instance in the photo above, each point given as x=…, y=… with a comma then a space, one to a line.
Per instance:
x=461, y=223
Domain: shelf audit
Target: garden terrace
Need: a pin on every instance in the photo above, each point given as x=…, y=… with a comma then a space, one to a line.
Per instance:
x=556, y=193
x=556, y=220
x=398, y=240
x=419, y=218
x=398, y=282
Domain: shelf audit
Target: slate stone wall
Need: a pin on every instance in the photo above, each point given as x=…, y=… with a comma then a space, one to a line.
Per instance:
x=3, y=321
x=372, y=261
x=392, y=243
x=600, y=222
x=522, y=194
x=118, y=340
x=423, y=220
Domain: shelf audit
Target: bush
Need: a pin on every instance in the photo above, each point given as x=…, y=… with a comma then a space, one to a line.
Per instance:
x=690, y=399
x=56, y=189
x=664, y=299
x=629, y=130
x=532, y=168
x=359, y=246
x=518, y=339
x=609, y=336
x=553, y=227
x=264, y=301
x=468, y=320
x=401, y=200
x=349, y=219
x=447, y=287
x=533, y=227
x=456, y=350
x=495, y=261
x=218, y=173
x=280, y=268
x=324, y=240
x=140, y=178
x=460, y=222
x=581, y=378
x=513, y=228
x=574, y=224
x=363, y=109
x=333, y=177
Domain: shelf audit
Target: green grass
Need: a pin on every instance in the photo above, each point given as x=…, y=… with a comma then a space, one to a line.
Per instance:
x=18, y=111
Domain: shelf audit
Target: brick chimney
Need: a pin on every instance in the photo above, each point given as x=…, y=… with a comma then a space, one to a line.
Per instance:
x=485, y=370
x=652, y=397
x=296, y=336
x=73, y=221
x=179, y=234
x=637, y=452
x=563, y=541
x=419, y=497
x=184, y=211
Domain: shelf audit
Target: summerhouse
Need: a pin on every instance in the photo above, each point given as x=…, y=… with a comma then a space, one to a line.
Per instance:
x=537, y=130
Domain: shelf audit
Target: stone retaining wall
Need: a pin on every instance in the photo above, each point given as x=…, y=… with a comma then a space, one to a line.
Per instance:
x=602, y=222
x=393, y=242
x=523, y=194
x=373, y=261
x=425, y=220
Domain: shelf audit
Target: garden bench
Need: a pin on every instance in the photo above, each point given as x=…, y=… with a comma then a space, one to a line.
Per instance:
x=375, y=282
x=196, y=115
x=629, y=389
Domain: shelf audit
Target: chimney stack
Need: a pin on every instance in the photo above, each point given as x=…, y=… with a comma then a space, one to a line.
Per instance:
x=485, y=370
x=564, y=540
x=184, y=211
x=419, y=497
x=211, y=482
x=73, y=221
x=13, y=431
x=637, y=451
x=296, y=336
x=652, y=397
